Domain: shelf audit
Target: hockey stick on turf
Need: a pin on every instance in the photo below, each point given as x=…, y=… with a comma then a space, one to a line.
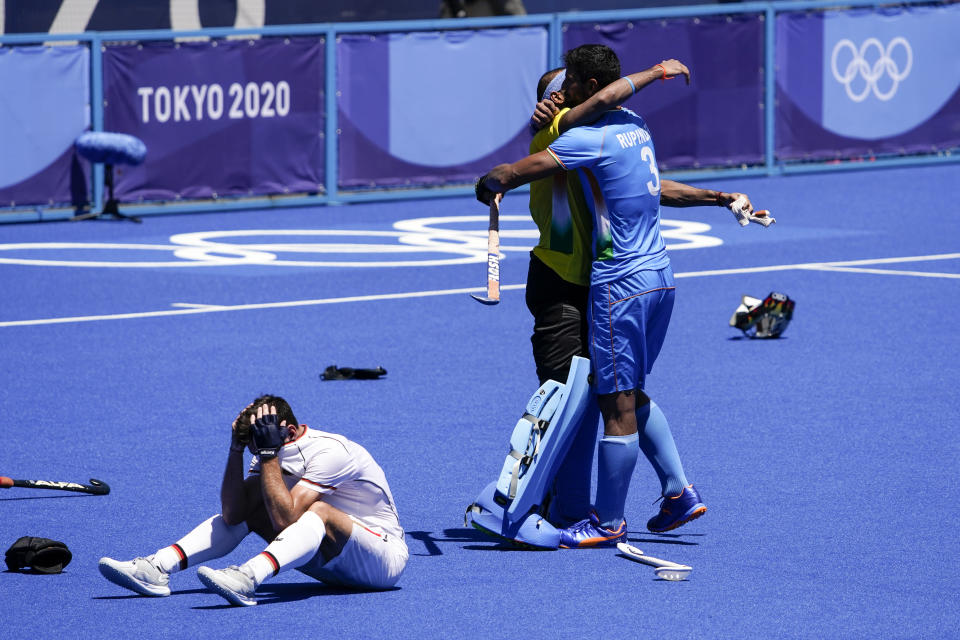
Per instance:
x=493, y=256
x=96, y=487
x=664, y=568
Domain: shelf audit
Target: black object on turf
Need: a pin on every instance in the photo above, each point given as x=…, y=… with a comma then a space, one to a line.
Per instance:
x=346, y=373
x=42, y=555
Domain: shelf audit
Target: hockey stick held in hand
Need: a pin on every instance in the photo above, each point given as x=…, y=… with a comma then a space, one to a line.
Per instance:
x=493, y=256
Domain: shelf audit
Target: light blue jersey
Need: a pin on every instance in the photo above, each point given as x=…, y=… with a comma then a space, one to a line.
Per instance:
x=618, y=169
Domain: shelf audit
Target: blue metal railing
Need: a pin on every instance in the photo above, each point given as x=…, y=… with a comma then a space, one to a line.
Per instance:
x=554, y=23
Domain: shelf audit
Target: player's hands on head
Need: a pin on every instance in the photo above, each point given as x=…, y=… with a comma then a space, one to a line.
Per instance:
x=672, y=68
x=240, y=431
x=269, y=434
x=543, y=114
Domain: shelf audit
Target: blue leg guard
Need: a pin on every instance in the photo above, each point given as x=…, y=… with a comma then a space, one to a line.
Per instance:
x=539, y=444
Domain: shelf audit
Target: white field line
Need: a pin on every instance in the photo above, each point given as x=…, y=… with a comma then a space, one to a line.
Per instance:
x=191, y=305
x=822, y=265
x=193, y=309
x=886, y=272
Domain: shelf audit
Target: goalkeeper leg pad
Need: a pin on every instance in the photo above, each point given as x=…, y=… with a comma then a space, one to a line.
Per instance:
x=539, y=443
x=489, y=515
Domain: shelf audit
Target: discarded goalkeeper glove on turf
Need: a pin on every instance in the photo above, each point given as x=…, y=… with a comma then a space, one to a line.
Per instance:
x=765, y=318
x=42, y=555
x=333, y=372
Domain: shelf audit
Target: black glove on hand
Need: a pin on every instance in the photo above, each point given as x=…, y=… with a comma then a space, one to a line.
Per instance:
x=268, y=436
x=484, y=194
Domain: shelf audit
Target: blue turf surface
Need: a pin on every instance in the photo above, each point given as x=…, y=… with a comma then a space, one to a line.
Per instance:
x=822, y=456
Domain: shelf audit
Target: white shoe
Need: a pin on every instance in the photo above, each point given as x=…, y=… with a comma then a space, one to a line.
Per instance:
x=139, y=574
x=231, y=583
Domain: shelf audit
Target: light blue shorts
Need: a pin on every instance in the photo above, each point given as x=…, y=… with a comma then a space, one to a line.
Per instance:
x=628, y=323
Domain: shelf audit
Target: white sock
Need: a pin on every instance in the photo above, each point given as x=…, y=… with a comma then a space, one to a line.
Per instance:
x=295, y=546
x=211, y=539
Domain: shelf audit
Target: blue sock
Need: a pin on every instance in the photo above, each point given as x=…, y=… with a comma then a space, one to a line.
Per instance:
x=656, y=442
x=616, y=458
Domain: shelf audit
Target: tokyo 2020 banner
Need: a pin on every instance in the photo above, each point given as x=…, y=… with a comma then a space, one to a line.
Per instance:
x=864, y=82
x=219, y=118
x=718, y=119
x=434, y=108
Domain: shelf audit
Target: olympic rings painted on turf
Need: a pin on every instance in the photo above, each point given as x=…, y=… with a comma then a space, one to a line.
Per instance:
x=871, y=74
x=197, y=245
x=462, y=237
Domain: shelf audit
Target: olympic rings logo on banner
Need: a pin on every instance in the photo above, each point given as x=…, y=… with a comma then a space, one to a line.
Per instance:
x=884, y=65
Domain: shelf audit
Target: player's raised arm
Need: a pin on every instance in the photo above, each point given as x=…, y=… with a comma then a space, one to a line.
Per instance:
x=234, y=497
x=616, y=93
x=269, y=435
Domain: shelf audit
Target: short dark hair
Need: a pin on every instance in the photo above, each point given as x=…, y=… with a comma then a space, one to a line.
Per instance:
x=593, y=61
x=545, y=80
x=284, y=413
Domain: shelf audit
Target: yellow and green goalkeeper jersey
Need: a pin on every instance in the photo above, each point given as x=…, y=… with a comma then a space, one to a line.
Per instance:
x=561, y=213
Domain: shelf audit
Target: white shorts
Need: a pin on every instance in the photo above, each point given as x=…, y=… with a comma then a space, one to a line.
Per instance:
x=371, y=559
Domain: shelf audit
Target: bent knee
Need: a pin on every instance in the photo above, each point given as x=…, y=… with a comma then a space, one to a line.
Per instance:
x=330, y=514
x=320, y=508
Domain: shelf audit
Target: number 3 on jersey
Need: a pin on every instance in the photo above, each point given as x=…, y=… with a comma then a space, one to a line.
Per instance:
x=653, y=186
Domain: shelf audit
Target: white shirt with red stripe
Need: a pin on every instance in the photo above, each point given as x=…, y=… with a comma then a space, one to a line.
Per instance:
x=344, y=473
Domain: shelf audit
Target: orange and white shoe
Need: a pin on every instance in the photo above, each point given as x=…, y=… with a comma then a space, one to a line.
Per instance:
x=590, y=533
x=677, y=511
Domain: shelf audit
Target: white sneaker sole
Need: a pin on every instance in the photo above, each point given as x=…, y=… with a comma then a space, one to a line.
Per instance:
x=114, y=574
x=209, y=578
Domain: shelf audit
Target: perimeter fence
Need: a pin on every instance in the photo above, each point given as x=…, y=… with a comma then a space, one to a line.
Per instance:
x=237, y=118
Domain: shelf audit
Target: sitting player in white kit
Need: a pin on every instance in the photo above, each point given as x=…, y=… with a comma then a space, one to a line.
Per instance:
x=319, y=499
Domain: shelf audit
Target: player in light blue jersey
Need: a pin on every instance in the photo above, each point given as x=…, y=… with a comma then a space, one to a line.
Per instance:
x=631, y=288
x=615, y=162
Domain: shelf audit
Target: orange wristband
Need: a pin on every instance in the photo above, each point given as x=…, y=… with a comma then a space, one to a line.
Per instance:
x=664, y=70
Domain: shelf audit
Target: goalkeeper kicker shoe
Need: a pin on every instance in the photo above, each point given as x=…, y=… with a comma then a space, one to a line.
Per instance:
x=232, y=583
x=590, y=533
x=140, y=575
x=677, y=511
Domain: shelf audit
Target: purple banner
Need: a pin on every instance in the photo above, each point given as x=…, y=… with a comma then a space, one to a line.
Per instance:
x=718, y=120
x=44, y=106
x=219, y=118
x=866, y=82
x=414, y=109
